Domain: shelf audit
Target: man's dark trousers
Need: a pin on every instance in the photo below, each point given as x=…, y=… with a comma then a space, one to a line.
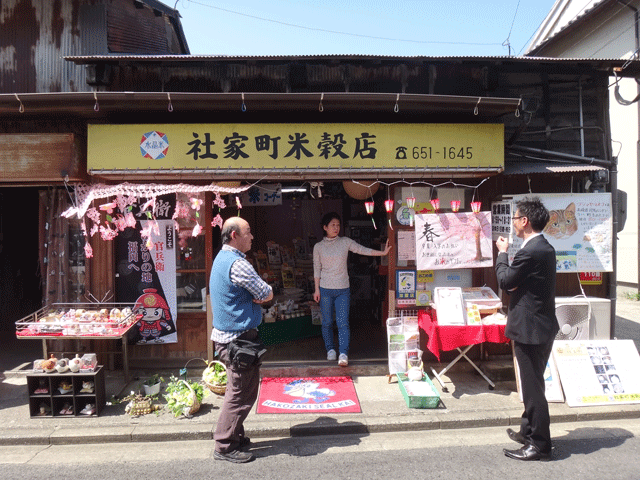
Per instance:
x=240, y=395
x=532, y=362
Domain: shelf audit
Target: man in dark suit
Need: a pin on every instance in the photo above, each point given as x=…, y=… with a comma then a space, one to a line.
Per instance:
x=532, y=325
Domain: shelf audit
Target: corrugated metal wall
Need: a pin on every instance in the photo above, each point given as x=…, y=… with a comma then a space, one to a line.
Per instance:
x=36, y=34
x=133, y=30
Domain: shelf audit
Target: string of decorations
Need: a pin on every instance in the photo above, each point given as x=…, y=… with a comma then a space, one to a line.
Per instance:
x=411, y=200
x=127, y=195
x=119, y=212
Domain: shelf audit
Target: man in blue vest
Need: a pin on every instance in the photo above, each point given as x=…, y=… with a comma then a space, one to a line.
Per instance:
x=236, y=294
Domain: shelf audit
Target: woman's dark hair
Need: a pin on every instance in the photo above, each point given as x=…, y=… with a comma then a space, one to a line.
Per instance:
x=326, y=220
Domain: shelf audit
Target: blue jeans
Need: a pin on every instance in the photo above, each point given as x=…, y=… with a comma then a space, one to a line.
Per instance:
x=340, y=299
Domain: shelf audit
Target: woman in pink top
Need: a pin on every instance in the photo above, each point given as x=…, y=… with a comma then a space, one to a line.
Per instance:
x=332, y=283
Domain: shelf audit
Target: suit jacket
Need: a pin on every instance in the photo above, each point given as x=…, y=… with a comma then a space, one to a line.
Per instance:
x=532, y=308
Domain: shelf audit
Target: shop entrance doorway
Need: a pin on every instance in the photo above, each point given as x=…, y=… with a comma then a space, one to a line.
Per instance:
x=282, y=251
x=20, y=292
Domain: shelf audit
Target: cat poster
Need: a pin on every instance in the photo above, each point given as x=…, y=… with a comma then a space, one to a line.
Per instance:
x=580, y=229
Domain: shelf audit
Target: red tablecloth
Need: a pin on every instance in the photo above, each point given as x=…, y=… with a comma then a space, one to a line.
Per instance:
x=450, y=337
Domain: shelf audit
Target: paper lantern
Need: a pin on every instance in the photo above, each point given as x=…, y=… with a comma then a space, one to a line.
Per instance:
x=369, y=207
x=475, y=206
x=436, y=204
x=360, y=191
x=411, y=202
x=455, y=205
x=388, y=205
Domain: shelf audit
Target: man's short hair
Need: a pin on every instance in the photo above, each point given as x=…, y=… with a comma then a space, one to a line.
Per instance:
x=535, y=211
x=227, y=228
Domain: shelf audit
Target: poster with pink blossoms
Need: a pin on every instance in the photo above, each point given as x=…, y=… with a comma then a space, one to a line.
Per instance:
x=453, y=240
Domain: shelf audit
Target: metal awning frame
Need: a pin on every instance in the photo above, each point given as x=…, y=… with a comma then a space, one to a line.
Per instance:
x=301, y=174
x=103, y=104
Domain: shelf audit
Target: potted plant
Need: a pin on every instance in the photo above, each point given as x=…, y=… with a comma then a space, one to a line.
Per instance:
x=152, y=385
x=215, y=377
x=183, y=397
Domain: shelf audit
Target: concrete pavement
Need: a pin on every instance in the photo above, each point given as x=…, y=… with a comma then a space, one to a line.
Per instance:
x=467, y=404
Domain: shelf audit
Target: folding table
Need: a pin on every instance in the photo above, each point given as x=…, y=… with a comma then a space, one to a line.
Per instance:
x=457, y=337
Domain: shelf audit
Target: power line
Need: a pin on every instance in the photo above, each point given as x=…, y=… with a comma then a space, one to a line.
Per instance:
x=506, y=42
x=322, y=30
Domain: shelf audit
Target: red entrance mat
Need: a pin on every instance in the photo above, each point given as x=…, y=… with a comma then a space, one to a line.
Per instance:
x=308, y=395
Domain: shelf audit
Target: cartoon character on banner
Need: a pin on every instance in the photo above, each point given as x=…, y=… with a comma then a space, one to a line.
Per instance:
x=155, y=321
x=307, y=390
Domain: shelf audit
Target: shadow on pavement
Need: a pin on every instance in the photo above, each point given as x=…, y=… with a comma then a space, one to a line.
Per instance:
x=335, y=437
x=586, y=440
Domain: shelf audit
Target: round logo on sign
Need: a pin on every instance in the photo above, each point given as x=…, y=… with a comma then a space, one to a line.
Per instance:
x=403, y=215
x=154, y=145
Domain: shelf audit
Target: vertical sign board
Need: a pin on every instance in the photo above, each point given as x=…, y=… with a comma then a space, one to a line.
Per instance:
x=449, y=241
x=598, y=372
x=146, y=274
x=580, y=229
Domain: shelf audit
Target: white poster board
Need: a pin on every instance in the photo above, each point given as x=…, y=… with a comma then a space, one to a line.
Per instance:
x=406, y=245
x=501, y=219
x=552, y=384
x=580, y=229
x=598, y=372
x=453, y=240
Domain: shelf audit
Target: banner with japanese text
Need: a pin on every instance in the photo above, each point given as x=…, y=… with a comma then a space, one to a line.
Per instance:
x=146, y=276
x=294, y=145
x=453, y=240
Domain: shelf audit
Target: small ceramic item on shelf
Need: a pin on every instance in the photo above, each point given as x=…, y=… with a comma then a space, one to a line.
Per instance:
x=89, y=409
x=89, y=362
x=37, y=365
x=62, y=365
x=44, y=409
x=49, y=365
x=87, y=387
x=65, y=387
x=42, y=387
x=75, y=363
x=67, y=409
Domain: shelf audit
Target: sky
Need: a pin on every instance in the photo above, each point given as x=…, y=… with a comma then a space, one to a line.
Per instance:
x=366, y=27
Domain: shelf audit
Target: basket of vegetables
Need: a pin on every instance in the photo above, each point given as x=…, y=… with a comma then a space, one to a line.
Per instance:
x=183, y=397
x=215, y=377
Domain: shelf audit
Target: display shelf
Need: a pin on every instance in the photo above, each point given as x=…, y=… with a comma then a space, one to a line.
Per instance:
x=78, y=320
x=53, y=403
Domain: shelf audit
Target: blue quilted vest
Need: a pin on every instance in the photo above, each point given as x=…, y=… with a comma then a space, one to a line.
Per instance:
x=233, y=307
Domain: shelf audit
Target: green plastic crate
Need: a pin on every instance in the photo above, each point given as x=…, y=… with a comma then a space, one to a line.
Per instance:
x=413, y=401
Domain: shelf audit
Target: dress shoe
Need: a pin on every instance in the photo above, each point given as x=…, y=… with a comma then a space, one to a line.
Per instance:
x=234, y=456
x=528, y=452
x=516, y=436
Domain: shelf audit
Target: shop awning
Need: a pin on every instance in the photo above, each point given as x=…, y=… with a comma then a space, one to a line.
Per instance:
x=521, y=160
x=528, y=167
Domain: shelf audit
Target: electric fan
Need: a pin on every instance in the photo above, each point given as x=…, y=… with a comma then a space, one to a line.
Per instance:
x=573, y=319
